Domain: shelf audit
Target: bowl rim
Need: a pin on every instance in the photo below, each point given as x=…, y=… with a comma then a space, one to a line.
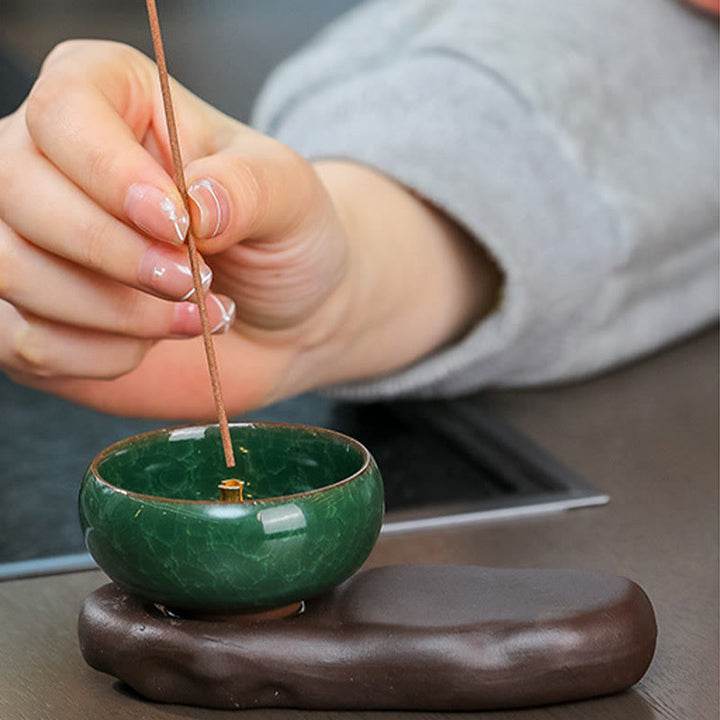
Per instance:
x=102, y=455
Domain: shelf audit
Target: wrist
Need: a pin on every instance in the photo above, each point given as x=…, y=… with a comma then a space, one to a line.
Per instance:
x=415, y=280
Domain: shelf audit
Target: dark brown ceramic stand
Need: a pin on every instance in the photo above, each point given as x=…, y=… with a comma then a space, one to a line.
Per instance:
x=424, y=637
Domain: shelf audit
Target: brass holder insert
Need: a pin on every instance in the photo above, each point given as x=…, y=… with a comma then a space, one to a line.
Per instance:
x=231, y=491
x=292, y=610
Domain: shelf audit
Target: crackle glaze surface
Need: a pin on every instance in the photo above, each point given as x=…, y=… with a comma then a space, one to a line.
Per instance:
x=151, y=517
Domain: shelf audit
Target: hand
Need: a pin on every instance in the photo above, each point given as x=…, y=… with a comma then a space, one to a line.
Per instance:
x=308, y=287
x=93, y=272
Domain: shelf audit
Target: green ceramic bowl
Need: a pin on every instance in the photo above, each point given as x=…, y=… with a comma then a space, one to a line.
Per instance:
x=153, y=521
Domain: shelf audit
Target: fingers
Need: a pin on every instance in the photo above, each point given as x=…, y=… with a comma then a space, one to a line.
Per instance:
x=92, y=114
x=56, y=290
x=171, y=382
x=35, y=347
x=72, y=226
x=284, y=246
x=96, y=115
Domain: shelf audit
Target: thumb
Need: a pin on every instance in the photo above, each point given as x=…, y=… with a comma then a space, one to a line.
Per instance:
x=253, y=188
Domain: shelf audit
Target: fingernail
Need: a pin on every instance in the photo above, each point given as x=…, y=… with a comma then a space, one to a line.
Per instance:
x=154, y=212
x=210, y=208
x=186, y=322
x=227, y=311
x=169, y=276
x=205, y=278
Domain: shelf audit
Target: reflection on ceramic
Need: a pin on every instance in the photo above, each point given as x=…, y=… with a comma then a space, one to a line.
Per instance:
x=153, y=520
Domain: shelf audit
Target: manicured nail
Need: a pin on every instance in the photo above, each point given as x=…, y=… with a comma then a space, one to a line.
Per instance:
x=154, y=212
x=169, y=276
x=221, y=313
x=210, y=208
x=227, y=311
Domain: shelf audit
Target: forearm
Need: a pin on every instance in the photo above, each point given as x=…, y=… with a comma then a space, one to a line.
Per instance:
x=608, y=247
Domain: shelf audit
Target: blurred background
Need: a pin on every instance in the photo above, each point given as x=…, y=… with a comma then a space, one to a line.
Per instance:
x=221, y=49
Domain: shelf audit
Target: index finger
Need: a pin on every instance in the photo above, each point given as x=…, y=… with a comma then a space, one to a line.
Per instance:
x=88, y=113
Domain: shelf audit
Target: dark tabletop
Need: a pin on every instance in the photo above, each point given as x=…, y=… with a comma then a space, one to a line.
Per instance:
x=646, y=434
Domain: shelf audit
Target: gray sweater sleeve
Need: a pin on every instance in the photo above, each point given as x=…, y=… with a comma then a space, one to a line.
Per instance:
x=578, y=141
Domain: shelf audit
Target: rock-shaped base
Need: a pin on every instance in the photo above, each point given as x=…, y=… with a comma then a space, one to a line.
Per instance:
x=422, y=637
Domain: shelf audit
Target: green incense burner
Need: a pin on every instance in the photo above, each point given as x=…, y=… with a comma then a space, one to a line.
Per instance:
x=162, y=517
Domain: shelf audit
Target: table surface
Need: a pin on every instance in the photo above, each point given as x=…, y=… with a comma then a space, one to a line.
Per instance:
x=646, y=434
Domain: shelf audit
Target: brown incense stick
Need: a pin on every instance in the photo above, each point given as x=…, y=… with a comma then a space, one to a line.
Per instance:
x=192, y=248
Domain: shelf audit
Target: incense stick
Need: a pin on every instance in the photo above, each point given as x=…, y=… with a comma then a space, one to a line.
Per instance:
x=192, y=248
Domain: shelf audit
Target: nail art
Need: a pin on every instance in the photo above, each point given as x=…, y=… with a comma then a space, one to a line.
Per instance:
x=213, y=205
x=181, y=223
x=228, y=314
x=166, y=272
x=205, y=277
x=155, y=213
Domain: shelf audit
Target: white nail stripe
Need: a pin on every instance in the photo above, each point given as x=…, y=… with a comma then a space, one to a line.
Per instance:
x=227, y=315
x=206, y=276
x=208, y=186
x=206, y=279
x=179, y=231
